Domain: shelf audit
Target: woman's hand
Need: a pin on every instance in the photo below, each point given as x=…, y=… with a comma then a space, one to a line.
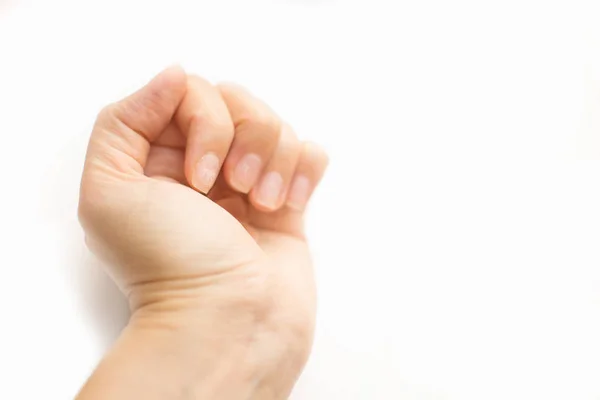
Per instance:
x=193, y=194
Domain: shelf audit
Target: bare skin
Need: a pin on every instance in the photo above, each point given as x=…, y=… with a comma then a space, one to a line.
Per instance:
x=193, y=194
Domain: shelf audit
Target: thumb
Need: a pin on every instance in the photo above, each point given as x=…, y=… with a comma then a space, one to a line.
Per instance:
x=121, y=138
x=118, y=150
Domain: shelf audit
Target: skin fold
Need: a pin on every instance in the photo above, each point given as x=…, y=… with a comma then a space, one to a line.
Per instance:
x=193, y=196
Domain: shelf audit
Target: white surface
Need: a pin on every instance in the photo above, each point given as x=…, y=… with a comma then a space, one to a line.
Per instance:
x=458, y=246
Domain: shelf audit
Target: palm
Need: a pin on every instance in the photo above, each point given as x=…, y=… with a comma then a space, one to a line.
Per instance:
x=279, y=234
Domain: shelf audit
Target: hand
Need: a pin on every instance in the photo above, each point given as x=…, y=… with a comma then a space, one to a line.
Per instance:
x=193, y=194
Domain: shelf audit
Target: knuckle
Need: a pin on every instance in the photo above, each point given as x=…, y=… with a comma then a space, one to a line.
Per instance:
x=223, y=130
x=288, y=132
x=314, y=159
x=195, y=120
x=231, y=89
x=196, y=79
x=315, y=153
x=268, y=125
x=213, y=122
x=324, y=157
x=289, y=146
x=260, y=129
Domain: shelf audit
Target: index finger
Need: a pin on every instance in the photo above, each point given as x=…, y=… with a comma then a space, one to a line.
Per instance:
x=204, y=119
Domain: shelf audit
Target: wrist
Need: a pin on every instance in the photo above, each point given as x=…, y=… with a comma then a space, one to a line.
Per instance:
x=227, y=329
x=217, y=360
x=229, y=334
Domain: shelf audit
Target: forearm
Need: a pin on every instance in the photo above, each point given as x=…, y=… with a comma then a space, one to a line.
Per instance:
x=164, y=357
x=155, y=363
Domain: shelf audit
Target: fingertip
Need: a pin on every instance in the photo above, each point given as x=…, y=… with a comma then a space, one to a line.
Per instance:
x=173, y=78
x=300, y=192
x=268, y=194
x=205, y=172
x=176, y=68
x=150, y=110
x=310, y=170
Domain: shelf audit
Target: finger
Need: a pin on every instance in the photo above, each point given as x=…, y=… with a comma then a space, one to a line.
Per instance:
x=203, y=117
x=166, y=163
x=270, y=192
x=171, y=137
x=257, y=131
x=167, y=156
x=309, y=171
x=123, y=132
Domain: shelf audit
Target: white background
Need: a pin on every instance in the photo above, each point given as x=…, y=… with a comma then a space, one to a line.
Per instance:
x=457, y=238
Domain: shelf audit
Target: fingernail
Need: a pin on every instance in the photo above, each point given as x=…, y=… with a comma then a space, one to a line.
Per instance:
x=246, y=172
x=206, y=172
x=299, y=193
x=270, y=190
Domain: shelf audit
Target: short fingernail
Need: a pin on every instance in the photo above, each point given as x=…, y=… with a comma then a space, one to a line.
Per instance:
x=206, y=172
x=270, y=190
x=246, y=172
x=299, y=192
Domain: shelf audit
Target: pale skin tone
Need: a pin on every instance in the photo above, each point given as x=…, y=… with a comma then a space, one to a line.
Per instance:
x=193, y=194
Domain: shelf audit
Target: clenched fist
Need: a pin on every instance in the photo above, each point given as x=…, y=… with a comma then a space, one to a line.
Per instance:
x=193, y=195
